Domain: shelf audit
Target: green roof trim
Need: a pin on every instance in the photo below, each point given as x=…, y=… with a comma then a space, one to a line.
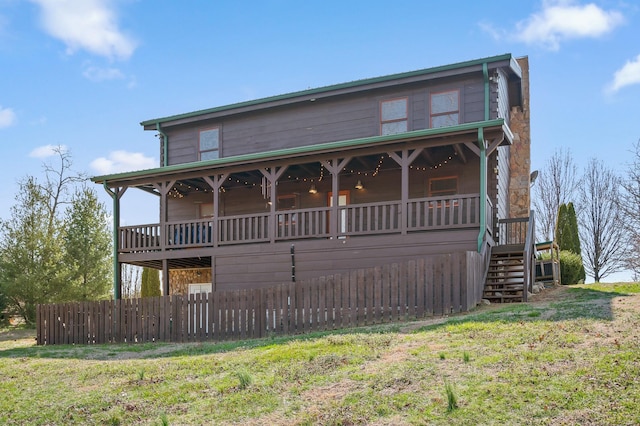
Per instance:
x=319, y=90
x=299, y=151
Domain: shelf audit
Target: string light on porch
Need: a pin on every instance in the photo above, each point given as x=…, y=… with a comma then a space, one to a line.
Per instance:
x=436, y=166
x=377, y=170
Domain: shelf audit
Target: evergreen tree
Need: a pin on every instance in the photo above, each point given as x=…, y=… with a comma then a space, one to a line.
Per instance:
x=150, y=286
x=87, y=243
x=567, y=235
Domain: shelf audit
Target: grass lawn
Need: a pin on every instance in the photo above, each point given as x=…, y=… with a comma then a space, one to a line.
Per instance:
x=571, y=356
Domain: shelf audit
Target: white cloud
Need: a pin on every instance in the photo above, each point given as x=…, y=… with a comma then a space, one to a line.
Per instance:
x=495, y=33
x=47, y=151
x=7, y=117
x=562, y=20
x=627, y=75
x=87, y=24
x=123, y=161
x=102, y=74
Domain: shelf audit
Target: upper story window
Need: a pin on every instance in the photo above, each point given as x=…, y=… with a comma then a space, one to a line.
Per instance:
x=209, y=144
x=393, y=116
x=445, y=108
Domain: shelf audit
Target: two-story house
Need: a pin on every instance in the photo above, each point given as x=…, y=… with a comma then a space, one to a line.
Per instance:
x=331, y=179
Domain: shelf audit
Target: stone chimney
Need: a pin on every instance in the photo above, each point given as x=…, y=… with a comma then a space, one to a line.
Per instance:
x=520, y=161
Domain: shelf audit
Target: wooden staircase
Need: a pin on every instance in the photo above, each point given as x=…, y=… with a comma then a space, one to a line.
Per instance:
x=505, y=276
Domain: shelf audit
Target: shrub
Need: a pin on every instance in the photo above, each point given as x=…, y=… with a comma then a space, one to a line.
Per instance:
x=571, y=267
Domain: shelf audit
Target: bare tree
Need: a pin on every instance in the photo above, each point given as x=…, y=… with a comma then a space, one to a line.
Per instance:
x=631, y=208
x=603, y=237
x=556, y=184
x=131, y=277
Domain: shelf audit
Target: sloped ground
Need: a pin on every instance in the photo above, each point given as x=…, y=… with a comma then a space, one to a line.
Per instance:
x=570, y=356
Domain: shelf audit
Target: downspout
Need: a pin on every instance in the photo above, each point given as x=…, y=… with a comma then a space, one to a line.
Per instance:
x=165, y=144
x=483, y=188
x=483, y=161
x=116, y=243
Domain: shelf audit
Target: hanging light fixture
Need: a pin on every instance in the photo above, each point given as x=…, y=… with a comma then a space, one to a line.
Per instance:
x=359, y=185
x=313, y=189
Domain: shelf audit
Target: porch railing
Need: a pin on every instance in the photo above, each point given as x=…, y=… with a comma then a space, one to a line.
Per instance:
x=249, y=228
x=370, y=218
x=422, y=214
x=443, y=212
x=302, y=223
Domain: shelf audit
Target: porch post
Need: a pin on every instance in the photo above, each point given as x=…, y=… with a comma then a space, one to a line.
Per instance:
x=273, y=174
x=116, y=194
x=334, y=166
x=405, y=160
x=164, y=188
x=216, y=183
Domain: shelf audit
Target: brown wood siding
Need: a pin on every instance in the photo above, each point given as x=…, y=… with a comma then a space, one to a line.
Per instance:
x=503, y=182
x=183, y=145
x=325, y=120
x=473, y=102
x=503, y=96
x=255, y=266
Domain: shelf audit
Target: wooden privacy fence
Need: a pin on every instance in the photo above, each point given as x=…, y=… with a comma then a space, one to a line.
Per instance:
x=435, y=285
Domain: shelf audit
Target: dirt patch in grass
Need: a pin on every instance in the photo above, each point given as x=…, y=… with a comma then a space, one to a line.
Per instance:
x=18, y=333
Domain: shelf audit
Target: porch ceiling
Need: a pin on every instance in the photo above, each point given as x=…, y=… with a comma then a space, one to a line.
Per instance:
x=181, y=263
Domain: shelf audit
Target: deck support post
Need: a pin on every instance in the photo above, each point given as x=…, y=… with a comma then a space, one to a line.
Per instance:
x=165, y=277
x=116, y=194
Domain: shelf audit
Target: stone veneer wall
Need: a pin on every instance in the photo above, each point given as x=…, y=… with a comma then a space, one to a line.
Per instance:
x=520, y=163
x=179, y=279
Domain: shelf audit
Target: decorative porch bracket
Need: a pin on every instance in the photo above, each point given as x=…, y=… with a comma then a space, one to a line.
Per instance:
x=404, y=160
x=116, y=194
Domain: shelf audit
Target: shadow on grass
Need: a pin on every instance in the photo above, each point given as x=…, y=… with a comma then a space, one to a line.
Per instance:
x=573, y=303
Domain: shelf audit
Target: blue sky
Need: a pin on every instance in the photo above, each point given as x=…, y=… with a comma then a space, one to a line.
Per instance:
x=85, y=73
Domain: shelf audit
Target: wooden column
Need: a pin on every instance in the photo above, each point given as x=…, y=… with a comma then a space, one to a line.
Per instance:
x=273, y=174
x=215, y=182
x=116, y=194
x=164, y=188
x=334, y=166
x=165, y=277
x=404, y=160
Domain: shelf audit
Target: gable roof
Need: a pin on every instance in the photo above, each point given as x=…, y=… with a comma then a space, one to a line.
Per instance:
x=505, y=61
